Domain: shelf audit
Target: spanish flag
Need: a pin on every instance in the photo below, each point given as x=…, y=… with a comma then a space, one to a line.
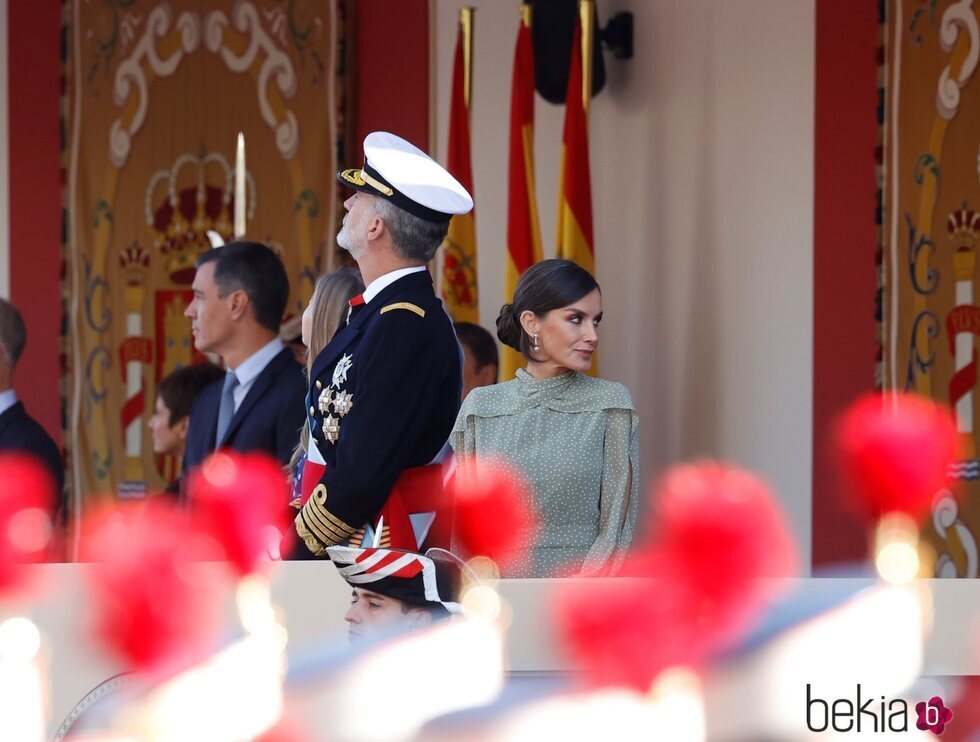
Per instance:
x=574, y=225
x=523, y=230
x=459, y=283
x=574, y=184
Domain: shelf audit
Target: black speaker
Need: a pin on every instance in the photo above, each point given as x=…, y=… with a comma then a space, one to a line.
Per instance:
x=553, y=28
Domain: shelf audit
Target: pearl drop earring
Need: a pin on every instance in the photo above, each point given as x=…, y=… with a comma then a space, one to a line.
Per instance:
x=536, y=346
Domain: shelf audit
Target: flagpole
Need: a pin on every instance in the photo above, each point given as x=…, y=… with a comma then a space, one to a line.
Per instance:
x=586, y=16
x=239, y=229
x=466, y=18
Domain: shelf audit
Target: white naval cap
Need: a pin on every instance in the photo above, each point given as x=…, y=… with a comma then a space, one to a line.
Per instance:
x=408, y=177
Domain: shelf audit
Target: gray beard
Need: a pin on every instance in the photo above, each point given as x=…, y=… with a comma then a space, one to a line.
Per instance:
x=346, y=243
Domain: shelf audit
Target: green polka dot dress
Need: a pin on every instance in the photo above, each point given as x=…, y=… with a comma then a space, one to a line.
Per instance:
x=574, y=439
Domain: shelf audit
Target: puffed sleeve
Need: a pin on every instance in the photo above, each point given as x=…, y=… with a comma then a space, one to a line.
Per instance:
x=619, y=497
x=463, y=437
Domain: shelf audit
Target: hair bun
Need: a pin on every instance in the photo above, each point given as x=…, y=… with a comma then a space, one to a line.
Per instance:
x=508, y=329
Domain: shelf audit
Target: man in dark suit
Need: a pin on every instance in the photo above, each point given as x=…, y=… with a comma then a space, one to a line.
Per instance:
x=240, y=293
x=384, y=393
x=19, y=431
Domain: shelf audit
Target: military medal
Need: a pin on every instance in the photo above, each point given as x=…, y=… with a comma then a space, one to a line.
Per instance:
x=331, y=428
x=325, y=400
x=342, y=403
x=340, y=370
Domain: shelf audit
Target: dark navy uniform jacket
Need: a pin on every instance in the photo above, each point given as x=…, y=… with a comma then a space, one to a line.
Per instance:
x=389, y=383
x=268, y=419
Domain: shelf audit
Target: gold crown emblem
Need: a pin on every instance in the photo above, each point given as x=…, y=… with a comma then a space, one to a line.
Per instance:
x=197, y=199
x=134, y=261
x=962, y=226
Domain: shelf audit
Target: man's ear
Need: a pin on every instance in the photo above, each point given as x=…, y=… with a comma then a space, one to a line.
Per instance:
x=238, y=303
x=487, y=375
x=376, y=228
x=181, y=427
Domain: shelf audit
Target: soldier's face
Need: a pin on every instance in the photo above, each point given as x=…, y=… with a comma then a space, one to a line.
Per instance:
x=569, y=336
x=371, y=613
x=352, y=235
x=210, y=313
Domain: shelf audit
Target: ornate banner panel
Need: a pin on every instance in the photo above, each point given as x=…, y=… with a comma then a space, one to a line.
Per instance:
x=930, y=225
x=156, y=94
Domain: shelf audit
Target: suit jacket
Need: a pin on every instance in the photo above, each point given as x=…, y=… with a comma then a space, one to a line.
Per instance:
x=383, y=397
x=20, y=432
x=268, y=419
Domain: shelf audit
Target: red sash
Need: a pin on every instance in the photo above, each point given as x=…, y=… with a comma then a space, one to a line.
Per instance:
x=418, y=490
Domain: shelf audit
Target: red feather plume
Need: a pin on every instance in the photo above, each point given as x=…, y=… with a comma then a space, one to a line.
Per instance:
x=155, y=606
x=627, y=631
x=720, y=532
x=722, y=529
x=494, y=516
x=26, y=495
x=242, y=499
x=894, y=452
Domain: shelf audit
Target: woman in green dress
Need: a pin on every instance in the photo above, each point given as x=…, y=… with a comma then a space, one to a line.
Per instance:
x=572, y=437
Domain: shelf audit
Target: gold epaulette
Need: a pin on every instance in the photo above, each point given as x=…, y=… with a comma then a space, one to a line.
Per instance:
x=317, y=526
x=405, y=305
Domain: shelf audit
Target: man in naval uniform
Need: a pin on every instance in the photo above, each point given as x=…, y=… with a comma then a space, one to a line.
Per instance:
x=384, y=393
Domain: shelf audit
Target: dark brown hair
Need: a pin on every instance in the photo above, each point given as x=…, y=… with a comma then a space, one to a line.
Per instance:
x=180, y=388
x=550, y=284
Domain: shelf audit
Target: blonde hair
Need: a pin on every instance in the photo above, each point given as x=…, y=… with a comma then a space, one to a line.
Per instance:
x=328, y=309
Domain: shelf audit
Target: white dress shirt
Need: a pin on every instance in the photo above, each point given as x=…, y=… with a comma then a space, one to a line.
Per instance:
x=252, y=366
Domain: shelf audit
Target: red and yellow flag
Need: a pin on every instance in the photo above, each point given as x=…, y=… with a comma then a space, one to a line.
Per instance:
x=575, y=183
x=574, y=227
x=523, y=229
x=459, y=282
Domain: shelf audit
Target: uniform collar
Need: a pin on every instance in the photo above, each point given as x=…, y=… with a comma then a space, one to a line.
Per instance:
x=382, y=282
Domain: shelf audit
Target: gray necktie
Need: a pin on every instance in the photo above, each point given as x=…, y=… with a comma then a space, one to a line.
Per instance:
x=226, y=411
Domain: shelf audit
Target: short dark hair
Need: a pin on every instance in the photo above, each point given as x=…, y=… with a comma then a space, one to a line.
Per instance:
x=480, y=343
x=550, y=284
x=413, y=238
x=180, y=388
x=13, y=332
x=255, y=269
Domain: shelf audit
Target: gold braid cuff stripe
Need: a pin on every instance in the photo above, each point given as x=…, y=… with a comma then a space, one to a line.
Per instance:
x=316, y=523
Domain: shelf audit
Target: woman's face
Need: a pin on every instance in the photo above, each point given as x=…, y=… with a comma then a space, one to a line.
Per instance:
x=307, y=323
x=568, y=337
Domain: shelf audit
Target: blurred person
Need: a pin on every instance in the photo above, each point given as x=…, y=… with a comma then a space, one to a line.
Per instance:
x=240, y=294
x=385, y=390
x=571, y=436
x=481, y=360
x=289, y=333
x=393, y=589
x=18, y=430
x=176, y=393
x=323, y=315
